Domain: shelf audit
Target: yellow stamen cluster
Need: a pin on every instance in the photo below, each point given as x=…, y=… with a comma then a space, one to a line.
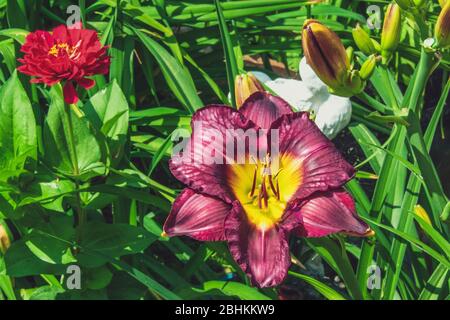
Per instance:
x=71, y=51
x=266, y=178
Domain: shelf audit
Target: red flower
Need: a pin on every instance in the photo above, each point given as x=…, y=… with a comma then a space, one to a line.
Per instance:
x=69, y=55
x=254, y=206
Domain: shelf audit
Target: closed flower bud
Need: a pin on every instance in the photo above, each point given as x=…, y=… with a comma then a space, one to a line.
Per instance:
x=325, y=53
x=356, y=83
x=363, y=40
x=390, y=35
x=442, y=28
x=368, y=67
x=244, y=86
x=350, y=54
x=377, y=45
x=420, y=212
x=4, y=240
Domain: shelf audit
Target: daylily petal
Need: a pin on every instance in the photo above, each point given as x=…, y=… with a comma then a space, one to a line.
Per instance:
x=330, y=213
x=298, y=94
x=201, y=164
x=312, y=157
x=262, y=253
x=197, y=216
x=263, y=108
x=334, y=115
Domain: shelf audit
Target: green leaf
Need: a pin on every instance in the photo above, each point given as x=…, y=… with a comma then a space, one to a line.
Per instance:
x=433, y=287
x=177, y=77
x=96, y=278
x=74, y=154
x=337, y=259
x=230, y=57
x=17, y=14
x=227, y=288
x=21, y=262
x=434, y=235
x=113, y=240
x=46, y=187
x=108, y=112
x=51, y=241
x=322, y=288
x=41, y=293
x=18, y=142
x=17, y=34
x=425, y=248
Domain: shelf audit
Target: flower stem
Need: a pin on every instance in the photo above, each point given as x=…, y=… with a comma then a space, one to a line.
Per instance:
x=76, y=172
x=426, y=66
x=433, y=186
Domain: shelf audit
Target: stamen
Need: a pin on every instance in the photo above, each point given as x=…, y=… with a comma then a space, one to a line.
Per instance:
x=272, y=187
x=254, y=182
x=264, y=192
x=278, y=190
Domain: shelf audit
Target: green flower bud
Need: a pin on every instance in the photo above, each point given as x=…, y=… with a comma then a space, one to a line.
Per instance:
x=442, y=28
x=368, y=67
x=390, y=36
x=363, y=40
x=356, y=83
x=350, y=54
x=377, y=45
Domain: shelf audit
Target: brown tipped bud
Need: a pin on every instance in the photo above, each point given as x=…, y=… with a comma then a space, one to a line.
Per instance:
x=363, y=40
x=244, y=86
x=4, y=240
x=325, y=53
x=390, y=36
x=442, y=28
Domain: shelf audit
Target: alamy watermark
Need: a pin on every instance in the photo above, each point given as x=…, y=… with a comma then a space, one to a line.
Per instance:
x=73, y=281
x=374, y=278
x=208, y=145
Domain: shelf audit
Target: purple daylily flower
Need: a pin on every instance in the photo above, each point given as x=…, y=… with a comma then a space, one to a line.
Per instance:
x=254, y=208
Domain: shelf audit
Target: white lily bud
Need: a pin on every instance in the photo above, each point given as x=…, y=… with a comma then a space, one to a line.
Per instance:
x=310, y=78
x=298, y=94
x=334, y=115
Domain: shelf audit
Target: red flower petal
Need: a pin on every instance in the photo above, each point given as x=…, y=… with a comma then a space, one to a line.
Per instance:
x=64, y=54
x=320, y=164
x=197, y=216
x=263, y=108
x=201, y=165
x=61, y=33
x=329, y=213
x=70, y=94
x=86, y=83
x=262, y=254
